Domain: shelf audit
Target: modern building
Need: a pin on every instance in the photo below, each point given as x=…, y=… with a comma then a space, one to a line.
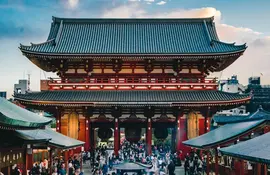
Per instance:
x=260, y=95
x=232, y=85
x=21, y=87
x=132, y=74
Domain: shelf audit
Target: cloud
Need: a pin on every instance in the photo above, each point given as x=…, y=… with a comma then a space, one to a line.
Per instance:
x=125, y=11
x=73, y=3
x=161, y=3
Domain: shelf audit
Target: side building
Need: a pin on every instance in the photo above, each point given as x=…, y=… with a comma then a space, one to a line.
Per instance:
x=260, y=95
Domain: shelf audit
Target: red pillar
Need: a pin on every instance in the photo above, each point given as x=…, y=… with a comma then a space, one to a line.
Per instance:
x=216, y=162
x=116, y=136
x=149, y=136
x=178, y=134
x=58, y=121
x=28, y=160
x=50, y=163
x=87, y=135
x=265, y=170
x=242, y=167
x=259, y=169
x=207, y=163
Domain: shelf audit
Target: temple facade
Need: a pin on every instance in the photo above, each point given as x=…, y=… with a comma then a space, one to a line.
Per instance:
x=132, y=74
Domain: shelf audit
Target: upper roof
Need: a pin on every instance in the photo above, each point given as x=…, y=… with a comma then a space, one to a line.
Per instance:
x=132, y=97
x=54, y=138
x=13, y=116
x=133, y=37
x=223, y=134
x=251, y=150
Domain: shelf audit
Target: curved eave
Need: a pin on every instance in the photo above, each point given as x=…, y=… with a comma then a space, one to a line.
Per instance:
x=25, y=51
x=227, y=140
x=184, y=104
x=65, y=147
x=245, y=157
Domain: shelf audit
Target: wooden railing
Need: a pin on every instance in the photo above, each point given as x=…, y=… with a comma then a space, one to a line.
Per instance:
x=134, y=83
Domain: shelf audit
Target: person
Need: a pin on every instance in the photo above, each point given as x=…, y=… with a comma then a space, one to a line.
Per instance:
x=55, y=171
x=15, y=170
x=105, y=168
x=62, y=171
x=186, y=165
x=71, y=170
x=171, y=168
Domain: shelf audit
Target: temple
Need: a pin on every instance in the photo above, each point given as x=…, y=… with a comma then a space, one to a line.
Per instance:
x=137, y=74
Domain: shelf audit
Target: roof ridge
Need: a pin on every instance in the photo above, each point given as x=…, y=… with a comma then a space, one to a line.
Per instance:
x=36, y=44
x=58, y=19
x=230, y=43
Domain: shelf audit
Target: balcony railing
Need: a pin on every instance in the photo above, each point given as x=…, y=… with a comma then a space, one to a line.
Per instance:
x=133, y=83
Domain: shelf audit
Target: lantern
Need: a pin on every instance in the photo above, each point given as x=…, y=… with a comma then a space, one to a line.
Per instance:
x=133, y=134
x=105, y=133
x=161, y=133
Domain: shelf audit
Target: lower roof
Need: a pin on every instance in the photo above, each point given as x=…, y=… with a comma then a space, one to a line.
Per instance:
x=54, y=138
x=14, y=117
x=255, y=150
x=133, y=97
x=259, y=114
x=223, y=134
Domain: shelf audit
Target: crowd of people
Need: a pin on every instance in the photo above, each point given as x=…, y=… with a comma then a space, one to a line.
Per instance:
x=194, y=164
x=160, y=162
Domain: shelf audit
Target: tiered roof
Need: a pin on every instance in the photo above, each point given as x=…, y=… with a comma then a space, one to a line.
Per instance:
x=224, y=134
x=53, y=138
x=133, y=97
x=254, y=150
x=133, y=37
x=14, y=117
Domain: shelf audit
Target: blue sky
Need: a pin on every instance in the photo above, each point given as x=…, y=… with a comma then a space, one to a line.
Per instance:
x=25, y=21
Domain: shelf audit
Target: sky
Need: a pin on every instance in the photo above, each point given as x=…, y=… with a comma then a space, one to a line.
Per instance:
x=240, y=21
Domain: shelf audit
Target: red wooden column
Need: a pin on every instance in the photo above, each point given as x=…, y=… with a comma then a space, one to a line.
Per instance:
x=216, y=162
x=242, y=167
x=50, y=163
x=265, y=170
x=28, y=158
x=259, y=170
x=149, y=136
x=116, y=136
x=87, y=134
x=58, y=120
x=178, y=131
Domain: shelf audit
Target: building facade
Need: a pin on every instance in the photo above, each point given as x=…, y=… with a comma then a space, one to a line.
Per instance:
x=132, y=74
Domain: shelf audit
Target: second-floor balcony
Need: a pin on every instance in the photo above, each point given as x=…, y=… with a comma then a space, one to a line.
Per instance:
x=133, y=83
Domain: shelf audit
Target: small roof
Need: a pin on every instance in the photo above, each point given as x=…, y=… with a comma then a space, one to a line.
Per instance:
x=259, y=114
x=133, y=97
x=133, y=36
x=223, y=134
x=13, y=116
x=255, y=150
x=54, y=138
x=131, y=166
